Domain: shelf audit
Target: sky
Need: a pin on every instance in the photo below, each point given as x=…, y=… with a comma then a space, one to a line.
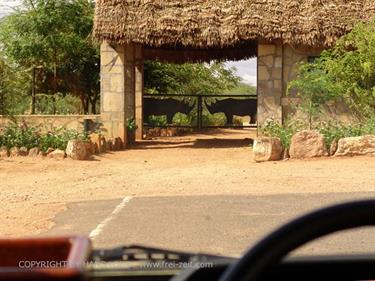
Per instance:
x=246, y=69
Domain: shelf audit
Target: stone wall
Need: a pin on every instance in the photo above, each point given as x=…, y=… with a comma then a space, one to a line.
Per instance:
x=47, y=122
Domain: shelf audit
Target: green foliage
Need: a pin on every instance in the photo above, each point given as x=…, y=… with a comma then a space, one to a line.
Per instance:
x=51, y=39
x=46, y=104
x=59, y=138
x=13, y=89
x=314, y=90
x=242, y=89
x=333, y=131
x=157, y=121
x=345, y=73
x=131, y=126
x=283, y=131
x=350, y=66
x=18, y=135
x=191, y=79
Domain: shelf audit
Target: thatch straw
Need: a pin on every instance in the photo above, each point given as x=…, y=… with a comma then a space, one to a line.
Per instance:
x=227, y=24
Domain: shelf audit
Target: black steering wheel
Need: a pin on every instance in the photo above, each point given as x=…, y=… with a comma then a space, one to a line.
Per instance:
x=272, y=249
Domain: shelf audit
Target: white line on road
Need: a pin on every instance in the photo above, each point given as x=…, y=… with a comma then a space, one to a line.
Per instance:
x=97, y=230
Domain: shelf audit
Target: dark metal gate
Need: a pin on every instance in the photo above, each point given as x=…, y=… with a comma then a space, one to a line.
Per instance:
x=199, y=110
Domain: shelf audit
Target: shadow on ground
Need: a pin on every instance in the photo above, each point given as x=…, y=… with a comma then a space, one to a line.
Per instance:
x=198, y=143
x=212, y=138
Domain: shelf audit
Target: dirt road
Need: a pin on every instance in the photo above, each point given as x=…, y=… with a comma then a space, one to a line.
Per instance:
x=33, y=191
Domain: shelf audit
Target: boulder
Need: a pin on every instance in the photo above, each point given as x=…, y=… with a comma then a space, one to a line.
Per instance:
x=23, y=151
x=307, y=144
x=99, y=141
x=57, y=154
x=34, y=152
x=4, y=152
x=153, y=132
x=49, y=150
x=118, y=143
x=267, y=149
x=164, y=132
x=76, y=149
x=90, y=148
x=14, y=152
x=172, y=132
x=109, y=145
x=353, y=146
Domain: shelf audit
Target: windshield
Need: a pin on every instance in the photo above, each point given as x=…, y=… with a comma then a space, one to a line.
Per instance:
x=176, y=137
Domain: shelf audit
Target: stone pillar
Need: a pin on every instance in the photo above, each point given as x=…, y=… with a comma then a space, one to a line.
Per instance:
x=129, y=67
x=117, y=89
x=139, y=90
x=270, y=88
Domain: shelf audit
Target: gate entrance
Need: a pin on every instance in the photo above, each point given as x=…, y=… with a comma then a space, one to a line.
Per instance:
x=192, y=111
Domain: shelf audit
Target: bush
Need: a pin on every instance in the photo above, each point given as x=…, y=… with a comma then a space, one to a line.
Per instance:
x=284, y=131
x=18, y=135
x=333, y=131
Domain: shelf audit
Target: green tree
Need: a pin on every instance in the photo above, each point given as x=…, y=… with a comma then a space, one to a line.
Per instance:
x=344, y=73
x=12, y=88
x=52, y=39
x=314, y=90
x=189, y=78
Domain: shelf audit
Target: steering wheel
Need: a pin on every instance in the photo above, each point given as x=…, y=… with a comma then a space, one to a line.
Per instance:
x=272, y=249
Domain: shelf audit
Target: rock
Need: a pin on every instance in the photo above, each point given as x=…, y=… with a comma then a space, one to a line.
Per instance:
x=4, y=152
x=49, y=150
x=14, y=152
x=57, y=154
x=99, y=142
x=164, y=132
x=76, y=149
x=90, y=148
x=172, y=132
x=116, y=144
x=364, y=145
x=34, y=152
x=109, y=144
x=42, y=154
x=333, y=147
x=23, y=151
x=307, y=144
x=153, y=132
x=267, y=149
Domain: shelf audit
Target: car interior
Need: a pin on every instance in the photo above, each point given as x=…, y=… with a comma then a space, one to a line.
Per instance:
x=72, y=258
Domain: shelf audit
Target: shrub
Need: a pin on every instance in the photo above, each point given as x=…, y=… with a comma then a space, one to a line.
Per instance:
x=283, y=131
x=18, y=135
x=333, y=131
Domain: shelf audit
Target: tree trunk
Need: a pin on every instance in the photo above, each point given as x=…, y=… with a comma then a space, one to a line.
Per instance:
x=33, y=91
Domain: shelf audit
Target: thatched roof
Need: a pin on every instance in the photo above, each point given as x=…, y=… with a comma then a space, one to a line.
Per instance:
x=199, y=26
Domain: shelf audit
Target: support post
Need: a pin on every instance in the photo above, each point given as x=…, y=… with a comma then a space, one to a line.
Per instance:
x=117, y=89
x=270, y=89
x=139, y=91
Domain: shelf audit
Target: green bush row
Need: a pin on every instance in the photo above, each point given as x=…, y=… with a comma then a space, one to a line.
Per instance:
x=217, y=119
x=331, y=130
x=24, y=135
